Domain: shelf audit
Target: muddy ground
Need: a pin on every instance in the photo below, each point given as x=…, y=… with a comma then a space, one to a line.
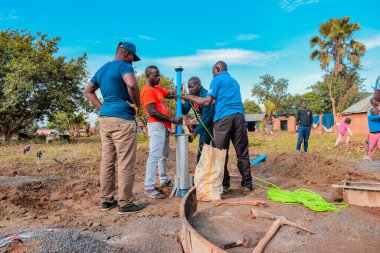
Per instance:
x=68, y=205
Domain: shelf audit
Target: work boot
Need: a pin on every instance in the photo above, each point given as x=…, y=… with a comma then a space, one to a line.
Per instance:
x=108, y=205
x=130, y=208
x=246, y=190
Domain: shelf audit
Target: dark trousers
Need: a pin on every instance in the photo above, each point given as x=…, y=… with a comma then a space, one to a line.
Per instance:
x=232, y=128
x=204, y=137
x=303, y=135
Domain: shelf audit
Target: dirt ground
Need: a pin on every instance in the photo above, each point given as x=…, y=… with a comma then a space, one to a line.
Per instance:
x=355, y=229
x=68, y=204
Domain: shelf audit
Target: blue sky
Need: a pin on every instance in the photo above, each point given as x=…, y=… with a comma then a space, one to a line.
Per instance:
x=253, y=37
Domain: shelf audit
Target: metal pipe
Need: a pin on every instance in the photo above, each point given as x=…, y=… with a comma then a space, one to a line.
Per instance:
x=179, y=70
x=182, y=164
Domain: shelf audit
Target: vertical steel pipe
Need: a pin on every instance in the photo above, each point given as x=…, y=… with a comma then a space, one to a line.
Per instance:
x=182, y=164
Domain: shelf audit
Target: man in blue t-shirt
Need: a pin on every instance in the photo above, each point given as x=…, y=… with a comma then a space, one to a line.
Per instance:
x=118, y=130
x=228, y=121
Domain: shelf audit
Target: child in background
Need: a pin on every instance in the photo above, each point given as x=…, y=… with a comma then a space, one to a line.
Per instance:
x=343, y=129
x=374, y=129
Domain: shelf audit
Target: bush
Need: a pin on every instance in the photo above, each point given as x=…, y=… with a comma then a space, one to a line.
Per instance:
x=40, y=139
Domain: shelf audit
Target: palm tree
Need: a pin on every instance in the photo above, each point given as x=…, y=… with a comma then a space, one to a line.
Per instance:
x=337, y=49
x=270, y=107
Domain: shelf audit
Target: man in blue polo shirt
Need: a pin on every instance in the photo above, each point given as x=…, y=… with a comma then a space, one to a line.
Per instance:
x=228, y=121
x=118, y=130
x=204, y=114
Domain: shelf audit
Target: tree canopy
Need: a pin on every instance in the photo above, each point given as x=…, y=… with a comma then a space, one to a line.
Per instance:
x=68, y=121
x=34, y=82
x=250, y=107
x=276, y=91
x=338, y=53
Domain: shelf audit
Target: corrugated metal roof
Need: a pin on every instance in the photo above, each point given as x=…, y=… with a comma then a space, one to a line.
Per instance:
x=254, y=117
x=361, y=106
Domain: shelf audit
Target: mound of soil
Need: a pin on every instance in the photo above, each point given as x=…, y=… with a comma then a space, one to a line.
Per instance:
x=37, y=197
x=312, y=168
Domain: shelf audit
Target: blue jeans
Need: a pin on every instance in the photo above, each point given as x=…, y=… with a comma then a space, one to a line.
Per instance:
x=158, y=154
x=303, y=135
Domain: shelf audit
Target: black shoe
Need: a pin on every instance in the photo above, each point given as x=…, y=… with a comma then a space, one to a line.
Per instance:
x=108, y=205
x=130, y=209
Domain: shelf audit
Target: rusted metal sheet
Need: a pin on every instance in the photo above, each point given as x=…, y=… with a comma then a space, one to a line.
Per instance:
x=362, y=193
x=192, y=241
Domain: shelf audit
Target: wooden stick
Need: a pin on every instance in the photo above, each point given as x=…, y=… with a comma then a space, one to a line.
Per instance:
x=268, y=236
x=290, y=223
x=249, y=202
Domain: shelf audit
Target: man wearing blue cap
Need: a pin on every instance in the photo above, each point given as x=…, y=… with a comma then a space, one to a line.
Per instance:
x=118, y=129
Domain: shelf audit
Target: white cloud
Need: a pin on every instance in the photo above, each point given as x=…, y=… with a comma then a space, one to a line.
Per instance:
x=291, y=5
x=207, y=57
x=143, y=37
x=368, y=65
x=247, y=37
x=8, y=15
x=372, y=42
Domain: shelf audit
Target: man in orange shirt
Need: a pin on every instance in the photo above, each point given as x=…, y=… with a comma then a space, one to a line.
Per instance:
x=160, y=120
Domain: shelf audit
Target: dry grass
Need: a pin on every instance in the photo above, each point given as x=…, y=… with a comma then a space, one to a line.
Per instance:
x=83, y=155
x=321, y=143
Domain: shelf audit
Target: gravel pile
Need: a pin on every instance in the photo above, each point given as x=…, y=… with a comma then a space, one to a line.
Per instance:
x=66, y=241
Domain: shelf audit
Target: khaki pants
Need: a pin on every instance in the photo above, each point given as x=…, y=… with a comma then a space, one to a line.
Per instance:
x=119, y=144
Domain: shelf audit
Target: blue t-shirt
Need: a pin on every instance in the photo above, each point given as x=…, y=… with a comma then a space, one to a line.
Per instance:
x=226, y=92
x=109, y=78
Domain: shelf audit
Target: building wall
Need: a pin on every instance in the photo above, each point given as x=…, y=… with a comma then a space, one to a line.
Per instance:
x=291, y=123
x=358, y=126
x=359, y=123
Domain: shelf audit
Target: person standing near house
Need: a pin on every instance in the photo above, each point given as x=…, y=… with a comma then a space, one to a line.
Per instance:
x=228, y=121
x=304, y=119
x=118, y=132
x=159, y=123
x=268, y=124
x=204, y=114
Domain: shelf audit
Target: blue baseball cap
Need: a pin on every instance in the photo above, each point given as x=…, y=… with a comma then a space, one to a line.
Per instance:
x=130, y=47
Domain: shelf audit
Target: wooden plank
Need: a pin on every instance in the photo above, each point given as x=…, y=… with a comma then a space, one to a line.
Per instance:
x=361, y=197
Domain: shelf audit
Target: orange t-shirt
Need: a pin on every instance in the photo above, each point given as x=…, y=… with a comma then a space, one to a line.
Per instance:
x=156, y=95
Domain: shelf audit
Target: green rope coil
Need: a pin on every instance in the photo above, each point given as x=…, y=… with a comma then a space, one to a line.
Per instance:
x=306, y=197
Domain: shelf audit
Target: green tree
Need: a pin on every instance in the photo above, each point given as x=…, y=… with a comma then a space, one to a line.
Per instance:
x=34, y=82
x=68, y=121
x=250, y=107
x=317, y=103
x=337, y=51
x=346, y=90
x=166, y=83
x=291, y=104
x=274, y=90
